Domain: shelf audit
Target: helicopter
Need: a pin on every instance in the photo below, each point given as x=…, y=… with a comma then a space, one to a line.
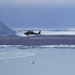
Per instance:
x=32, y=33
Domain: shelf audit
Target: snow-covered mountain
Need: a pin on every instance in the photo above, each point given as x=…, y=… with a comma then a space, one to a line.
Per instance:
x=4, y=30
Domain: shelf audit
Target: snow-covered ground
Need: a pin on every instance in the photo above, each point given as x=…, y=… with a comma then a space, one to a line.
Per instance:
x=46, y=61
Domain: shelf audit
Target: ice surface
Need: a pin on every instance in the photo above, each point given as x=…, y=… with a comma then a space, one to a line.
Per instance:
x=46, y=61
x=8, y=53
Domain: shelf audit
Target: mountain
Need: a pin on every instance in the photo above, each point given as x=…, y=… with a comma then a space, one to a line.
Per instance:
x=4, y=30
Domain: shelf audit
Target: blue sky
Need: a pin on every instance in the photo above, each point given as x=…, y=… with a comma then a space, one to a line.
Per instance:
x=38, y=13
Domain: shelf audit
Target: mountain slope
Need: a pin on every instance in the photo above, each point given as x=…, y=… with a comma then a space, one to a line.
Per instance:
x=4, y=30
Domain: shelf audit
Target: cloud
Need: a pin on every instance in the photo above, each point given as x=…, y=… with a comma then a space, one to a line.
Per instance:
x=38, y=2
